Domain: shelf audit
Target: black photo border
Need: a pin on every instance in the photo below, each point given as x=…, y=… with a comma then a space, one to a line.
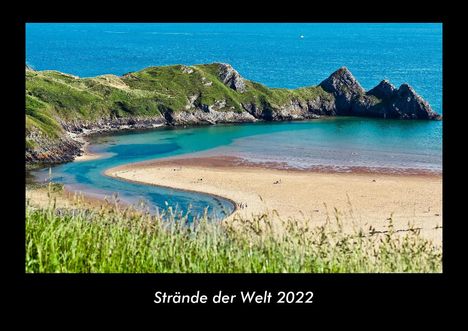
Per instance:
x=402, y=292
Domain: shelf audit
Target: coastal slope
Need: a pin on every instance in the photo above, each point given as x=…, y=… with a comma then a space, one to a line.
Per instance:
x=60, y=108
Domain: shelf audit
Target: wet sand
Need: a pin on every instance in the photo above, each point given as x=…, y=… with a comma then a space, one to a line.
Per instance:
x=360, y=198
x=86, y=155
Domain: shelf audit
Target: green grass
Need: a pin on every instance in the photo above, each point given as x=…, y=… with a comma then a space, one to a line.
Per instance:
x=53, y=97
x=39, y=116
x=116, y=241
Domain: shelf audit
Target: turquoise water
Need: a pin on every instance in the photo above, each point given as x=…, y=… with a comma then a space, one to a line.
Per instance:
x=271, y=54
x=342, y=143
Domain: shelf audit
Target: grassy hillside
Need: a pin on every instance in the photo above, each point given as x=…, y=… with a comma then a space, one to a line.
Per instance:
x=108, y=241
x=53, y=97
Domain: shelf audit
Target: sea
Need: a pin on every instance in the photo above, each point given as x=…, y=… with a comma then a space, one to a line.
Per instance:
x=287, y=55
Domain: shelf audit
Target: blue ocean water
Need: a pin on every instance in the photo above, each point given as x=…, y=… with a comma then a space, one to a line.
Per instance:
x=273, y=54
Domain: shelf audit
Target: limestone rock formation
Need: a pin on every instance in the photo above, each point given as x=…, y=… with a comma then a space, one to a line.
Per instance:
x=345, y=88
x=189, y=95
x=407, y=104
x=231, y=78
x=50, y=151
x=384, y=90
x=384, y=100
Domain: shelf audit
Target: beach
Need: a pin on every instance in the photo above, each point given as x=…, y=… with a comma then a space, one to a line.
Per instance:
x=86, y=155
x=358, y=199
x=41, y=197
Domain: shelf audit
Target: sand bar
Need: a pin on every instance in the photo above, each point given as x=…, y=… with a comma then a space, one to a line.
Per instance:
x=361, y=198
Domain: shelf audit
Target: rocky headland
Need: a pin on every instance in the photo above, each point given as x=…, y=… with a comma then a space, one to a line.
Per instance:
x=62, y=108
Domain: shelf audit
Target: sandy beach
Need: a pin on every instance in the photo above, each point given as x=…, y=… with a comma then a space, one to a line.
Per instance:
x=40, y=197
x=87, y=156
x=359, y=199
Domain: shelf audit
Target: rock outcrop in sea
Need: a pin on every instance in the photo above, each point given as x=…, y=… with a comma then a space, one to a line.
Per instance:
x=384, y=100
x=61, y=108
x=345, y=88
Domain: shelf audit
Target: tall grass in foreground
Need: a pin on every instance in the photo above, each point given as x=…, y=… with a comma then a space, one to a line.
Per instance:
x=109, y=241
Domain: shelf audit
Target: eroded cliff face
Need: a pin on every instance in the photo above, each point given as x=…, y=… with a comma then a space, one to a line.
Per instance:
x=345, y=88
x=52, y=151
x=112, y=124
x=192, y=95
x=407, y=104
x=383, y=101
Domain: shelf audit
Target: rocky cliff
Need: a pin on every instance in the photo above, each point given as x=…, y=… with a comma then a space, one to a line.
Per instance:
x=61, y=107
x=384, y=100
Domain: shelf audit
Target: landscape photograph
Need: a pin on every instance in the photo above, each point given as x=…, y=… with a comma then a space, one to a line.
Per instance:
x=233, y=148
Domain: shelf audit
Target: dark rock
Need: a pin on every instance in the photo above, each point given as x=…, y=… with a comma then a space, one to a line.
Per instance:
x=345, y=88
x=381, y=101
x=261, y=110
x=403, y=103
x=168, y=115
x=49, y=151
x=407, y=104
x=322, y=106
x=367, y=106
x=385, y=90
x=252, y=109
x=294, y=110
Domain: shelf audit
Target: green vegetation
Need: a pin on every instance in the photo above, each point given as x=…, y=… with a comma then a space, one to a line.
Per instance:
x=53, y=97
x=38, y=115
x=110, y=241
